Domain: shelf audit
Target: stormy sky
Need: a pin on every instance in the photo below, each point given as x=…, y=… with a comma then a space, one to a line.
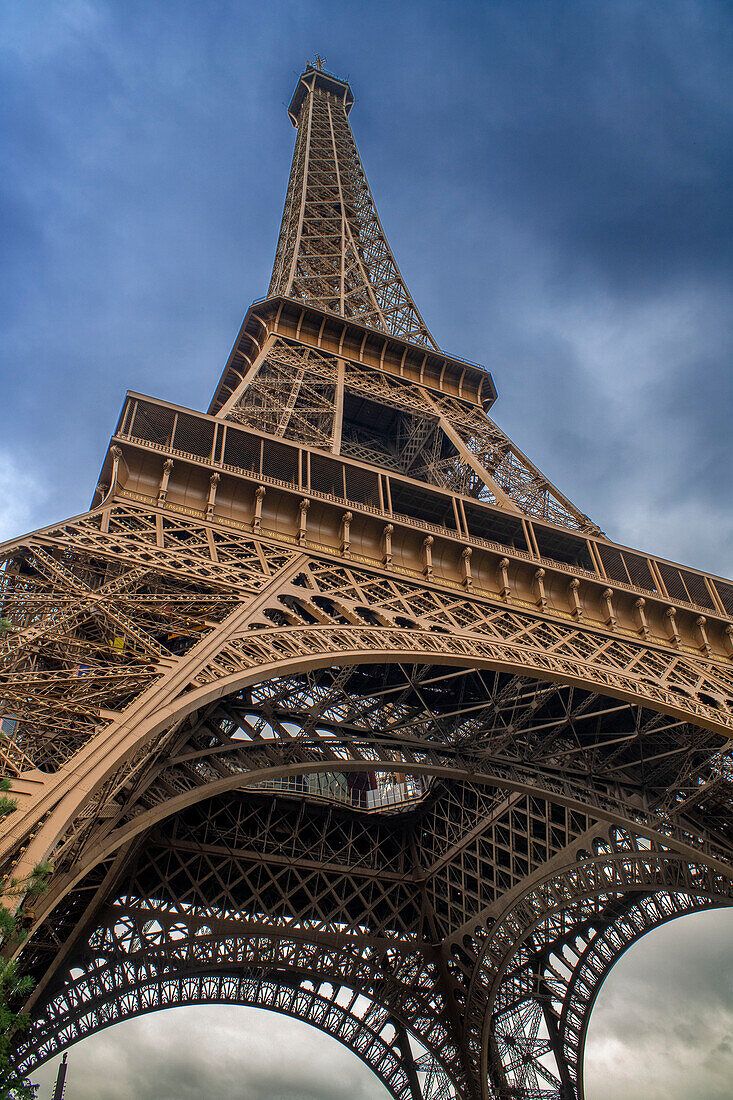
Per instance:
x=555, y=180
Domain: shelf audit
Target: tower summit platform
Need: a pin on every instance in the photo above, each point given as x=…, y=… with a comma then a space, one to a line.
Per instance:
x=314, y=78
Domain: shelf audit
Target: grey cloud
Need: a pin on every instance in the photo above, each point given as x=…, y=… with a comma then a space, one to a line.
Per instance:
x=663, y=1021
x=221, y=1053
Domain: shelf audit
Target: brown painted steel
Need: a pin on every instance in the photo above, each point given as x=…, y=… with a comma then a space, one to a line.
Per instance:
x=333, y=704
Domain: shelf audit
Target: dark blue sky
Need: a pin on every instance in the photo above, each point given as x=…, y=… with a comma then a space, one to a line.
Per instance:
x=554, y=177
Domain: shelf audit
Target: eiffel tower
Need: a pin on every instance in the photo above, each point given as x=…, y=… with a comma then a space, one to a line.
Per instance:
x=333, y=704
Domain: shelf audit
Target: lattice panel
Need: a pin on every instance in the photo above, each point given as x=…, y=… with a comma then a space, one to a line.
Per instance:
x=507, y=992
x=511, y=470
x=93, y=609
x=289, y=398
x=293, y=395
x=332, y=250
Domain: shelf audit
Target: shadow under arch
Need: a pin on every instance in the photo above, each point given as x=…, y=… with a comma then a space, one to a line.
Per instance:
x=259, y=655
x=115, y=988
x=443, y=759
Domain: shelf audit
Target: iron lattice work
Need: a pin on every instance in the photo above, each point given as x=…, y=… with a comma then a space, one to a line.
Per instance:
x=332, y=704
x=336, y=404
x=332, y=250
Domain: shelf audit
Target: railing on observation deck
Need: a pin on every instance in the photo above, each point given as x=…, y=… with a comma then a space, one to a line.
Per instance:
x=332, y=787
x=227, y=447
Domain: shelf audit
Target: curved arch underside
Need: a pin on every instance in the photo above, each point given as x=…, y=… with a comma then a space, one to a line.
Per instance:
x=364, y=1027
x=471, y=919
x=148, y=956
x=468, y=922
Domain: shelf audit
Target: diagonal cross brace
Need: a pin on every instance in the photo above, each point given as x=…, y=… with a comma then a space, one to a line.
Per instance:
x=88, y=601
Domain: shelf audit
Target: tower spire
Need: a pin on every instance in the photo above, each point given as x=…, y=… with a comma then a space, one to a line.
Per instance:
x=332, y=250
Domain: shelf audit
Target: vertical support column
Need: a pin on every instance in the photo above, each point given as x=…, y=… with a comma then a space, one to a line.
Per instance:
x=165, y=478
x=539, y=589
x=576, y=608
x=671, y=616
x=213, y=486
x=303, y=520
x=641, y=620
x=257, y=516
x=116, y=453
x=702, y=630
x=346, y=534
x=609, y=618
x=338, y=413
x=466, y=578
x=502, y=576
x=387, y=544
x=427, y=556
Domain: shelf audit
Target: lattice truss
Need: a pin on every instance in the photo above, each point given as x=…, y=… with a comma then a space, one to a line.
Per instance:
x=95, y=610
x=332, y=250
x=85, y=636
x=332, y=607
x=385, y=937
x=518, y=478
x=292, y=396
x=397, y=940
x=542, y=963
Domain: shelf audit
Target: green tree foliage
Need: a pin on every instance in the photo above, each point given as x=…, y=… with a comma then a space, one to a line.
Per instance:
x=14, y=986
x=7, y=805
